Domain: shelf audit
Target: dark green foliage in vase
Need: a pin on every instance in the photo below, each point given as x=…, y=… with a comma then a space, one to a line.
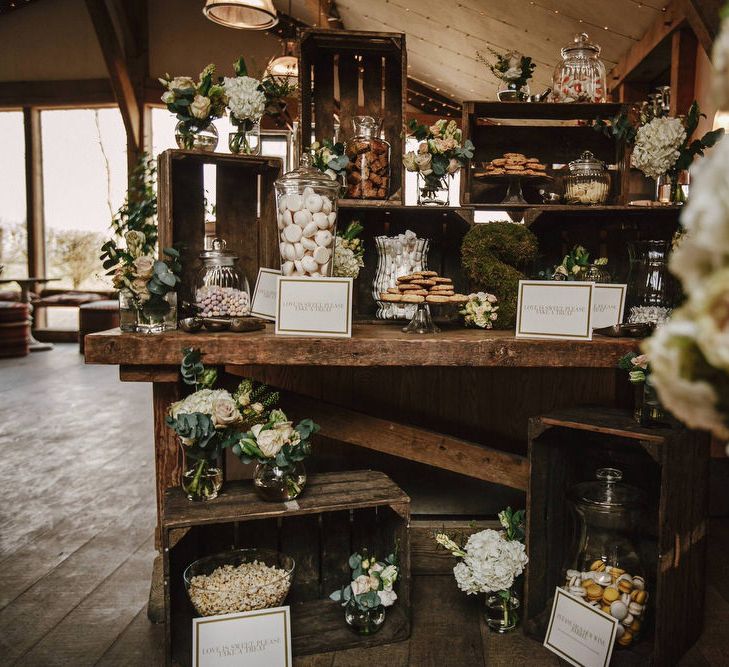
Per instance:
x=494, y=255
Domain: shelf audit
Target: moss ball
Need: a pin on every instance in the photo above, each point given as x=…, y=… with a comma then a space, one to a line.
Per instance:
x=493, y=254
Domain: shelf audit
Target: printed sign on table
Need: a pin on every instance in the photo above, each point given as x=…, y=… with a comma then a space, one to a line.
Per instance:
x=608, y=303
x=263, y=303
x=314, y=306
x=554, y=309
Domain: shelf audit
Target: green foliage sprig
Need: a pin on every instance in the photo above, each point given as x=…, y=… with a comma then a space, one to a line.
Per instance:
x=513, y=523
x=636, y=366
x=193, y=371
x=575, y=264
x=511, y=67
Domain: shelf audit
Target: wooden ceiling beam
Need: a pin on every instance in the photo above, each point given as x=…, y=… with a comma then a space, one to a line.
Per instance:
x=119, y=74
x=684, y=44
x=704, y=19
x=56, y=94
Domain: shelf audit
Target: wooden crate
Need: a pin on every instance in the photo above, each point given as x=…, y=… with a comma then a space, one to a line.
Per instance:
x=337, y=514
x=555, y=133
x=366, y=72
x=245, y=214
x=671, y=466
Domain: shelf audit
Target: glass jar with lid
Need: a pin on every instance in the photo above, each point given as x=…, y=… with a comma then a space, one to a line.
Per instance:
x=306, y=205
x=605, y=569
x=588, y=181
x=580, y=76
x=221, y=288
x=368, y=171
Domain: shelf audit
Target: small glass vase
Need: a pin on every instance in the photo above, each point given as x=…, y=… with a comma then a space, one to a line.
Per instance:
x=246, y=141
x=201, y=480
x=670, y=188
x=502, y=611
x=193, y=137
x=510, y=92
x=275, y=484
x=433, y=190
x=651, y=413
x=364, y=621
x=158, y=315
x=127, y=312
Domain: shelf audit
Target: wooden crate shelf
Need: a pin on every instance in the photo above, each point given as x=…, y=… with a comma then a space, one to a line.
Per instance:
x=370, y=345
x=350, y=62
x=245, y=209
x=671, y=466
x=337, y=513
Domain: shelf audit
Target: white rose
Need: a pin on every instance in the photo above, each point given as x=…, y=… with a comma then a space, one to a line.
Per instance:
x=361, y=585
x=256, y=429
x=453, y=166
x=424, y=162
x=244, y=399
x=225, y=413
x=144, y=266
x=168, y=97
x=512, y=73
x=200, y=107
x=409, y=162
x=181, y=83
x=270, y=442
x=389, y=576
x=712, y=320
x=387, y=598
x=257, y=408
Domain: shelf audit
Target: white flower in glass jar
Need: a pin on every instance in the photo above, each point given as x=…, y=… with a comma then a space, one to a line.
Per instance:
x=424, y=162
x=245, y=100
x=270, y=442
x=144, y=267
x=657, y=146
x=409, y=162
x=225, y=413
x=679, y=373
x=200, y=107
x=388, y=576
x=201, y=401
x=361, y=585
x=387, y=598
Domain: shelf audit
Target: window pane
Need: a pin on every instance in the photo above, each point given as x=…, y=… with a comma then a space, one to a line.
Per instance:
x=13, y=233
x=84, y=181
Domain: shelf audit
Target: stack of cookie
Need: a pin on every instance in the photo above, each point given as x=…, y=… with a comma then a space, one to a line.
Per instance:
x=423, y=287
x=515, y=164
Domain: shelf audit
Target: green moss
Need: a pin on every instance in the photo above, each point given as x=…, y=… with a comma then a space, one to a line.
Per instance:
x=492, y=256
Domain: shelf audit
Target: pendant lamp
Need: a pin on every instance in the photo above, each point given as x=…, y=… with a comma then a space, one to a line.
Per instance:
x=242, y=14
x=285, y=67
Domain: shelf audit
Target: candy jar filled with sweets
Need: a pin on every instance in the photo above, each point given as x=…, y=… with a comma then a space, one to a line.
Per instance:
x=221, y=288
x=580, y=76
x=306, y=202
x=605, y=569
x=368, y=171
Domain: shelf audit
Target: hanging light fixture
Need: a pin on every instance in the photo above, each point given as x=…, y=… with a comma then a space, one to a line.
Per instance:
x=242, y=14
x=285, y=67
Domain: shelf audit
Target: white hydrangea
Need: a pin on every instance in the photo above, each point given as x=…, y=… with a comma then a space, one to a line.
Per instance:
x=200, y=401
x=711, y=315
x=346, y=263
x=656, y=146
x=671, y=350
x=245, y=100
x=705, y=248
x=491, y=563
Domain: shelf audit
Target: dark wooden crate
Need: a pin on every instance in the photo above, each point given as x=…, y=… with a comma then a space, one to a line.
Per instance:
x=350, y=62
x=555, y=133
x=245, y=209
x=337, y=514
x=671, y=466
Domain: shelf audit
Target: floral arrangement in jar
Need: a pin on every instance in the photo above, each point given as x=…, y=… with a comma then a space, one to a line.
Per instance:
x=330, y=158
x=210, y=420
x=279, y=448
x=369, y=593
x=147, y=285
x=648, y=410
x=195, y=105
x=489, y=562
x=480, y=310
x=513, y=70
x=576, y=265
x=247, y=104
x=348, y=252
x=441, y=154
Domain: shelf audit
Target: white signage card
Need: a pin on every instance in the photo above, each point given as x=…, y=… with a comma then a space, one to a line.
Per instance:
x=252, y=638
x=608, y=302
x=263, y=304
x=314, y=306
x=554, y=309
x=579, y=633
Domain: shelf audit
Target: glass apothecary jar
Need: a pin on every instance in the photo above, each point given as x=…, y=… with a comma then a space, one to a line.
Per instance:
x=306, y=201
x=605, y=568
x=368, y=171
x=653, y=291
x=588, y=181
x=221, y=288
x=580, y=76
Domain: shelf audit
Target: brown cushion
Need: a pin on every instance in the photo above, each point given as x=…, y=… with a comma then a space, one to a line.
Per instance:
x=71, y=299
x=100, y=305
x=9, y=295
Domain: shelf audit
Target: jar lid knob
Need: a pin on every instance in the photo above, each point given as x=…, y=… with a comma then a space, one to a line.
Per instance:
x=609, y=475
x=305, y=161
x=218, y=244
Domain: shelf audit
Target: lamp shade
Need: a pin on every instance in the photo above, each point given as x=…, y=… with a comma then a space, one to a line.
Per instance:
x=285, y=66
x=242, y=14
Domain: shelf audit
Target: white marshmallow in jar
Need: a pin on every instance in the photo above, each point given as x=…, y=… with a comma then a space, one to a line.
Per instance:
x=306, y=216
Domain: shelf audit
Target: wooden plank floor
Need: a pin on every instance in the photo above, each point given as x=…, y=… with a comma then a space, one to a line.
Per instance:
x=76, y=539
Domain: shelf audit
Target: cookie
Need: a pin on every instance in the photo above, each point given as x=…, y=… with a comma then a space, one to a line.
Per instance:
x=390, y=298
x=514, y=167
x=425, y=282
x=497, y=172
x=412, y=298
x=404, y=287
x=432, y=298
x=458, y=298
x=499, y=162
x=421, y=292
x=408, y=278
x=513, y=155
x=441, y=281
x=514, y=160
x=430, y=274
x=393, y=290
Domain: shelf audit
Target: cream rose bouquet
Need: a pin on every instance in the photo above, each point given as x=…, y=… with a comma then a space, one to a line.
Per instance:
x=480, y=310
x=441, y=153
x=210, y=420
x=349, y=252
x=372, y=583
x=195, y=104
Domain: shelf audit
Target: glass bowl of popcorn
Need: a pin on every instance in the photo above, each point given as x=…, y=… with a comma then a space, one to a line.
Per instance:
x=239, y=580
